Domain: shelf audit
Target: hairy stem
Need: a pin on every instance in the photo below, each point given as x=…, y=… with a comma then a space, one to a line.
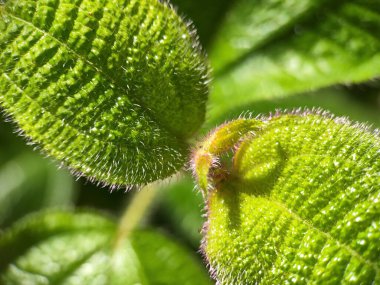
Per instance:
x=136, y=210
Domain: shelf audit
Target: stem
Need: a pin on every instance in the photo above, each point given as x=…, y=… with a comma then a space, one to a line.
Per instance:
x=136, y=211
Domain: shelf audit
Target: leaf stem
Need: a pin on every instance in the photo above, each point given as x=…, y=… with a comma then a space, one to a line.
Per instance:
x=136, y=210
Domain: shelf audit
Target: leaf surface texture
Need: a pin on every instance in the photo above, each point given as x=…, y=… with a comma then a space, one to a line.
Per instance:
x=112, y=88
x=300, y=203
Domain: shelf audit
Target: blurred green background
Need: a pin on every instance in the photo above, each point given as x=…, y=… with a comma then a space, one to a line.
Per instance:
x=29, y=181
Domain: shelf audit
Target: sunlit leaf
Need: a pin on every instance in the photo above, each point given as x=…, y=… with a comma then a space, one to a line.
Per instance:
x=112, y=88
x=299, y=204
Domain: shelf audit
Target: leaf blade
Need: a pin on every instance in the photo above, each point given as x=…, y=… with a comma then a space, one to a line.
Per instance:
x=300, y=204
x=105, y=79
x=65, y=247
x=331, y=44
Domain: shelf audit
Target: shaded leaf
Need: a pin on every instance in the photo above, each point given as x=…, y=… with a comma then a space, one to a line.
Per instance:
x=67, y=248
x=181, y=205
x=206, y=15
x=276, y=48
x=28, y=182
x=336, y=100
x=299, y=204
x=112, y=88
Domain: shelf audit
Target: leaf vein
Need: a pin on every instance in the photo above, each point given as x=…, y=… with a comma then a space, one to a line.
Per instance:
x=95, y=67
x=328, y=236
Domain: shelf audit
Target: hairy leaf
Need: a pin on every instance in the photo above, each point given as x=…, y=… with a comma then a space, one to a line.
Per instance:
x=67, y=248
x=112, y=88
x=300, y=203
x=281, y=47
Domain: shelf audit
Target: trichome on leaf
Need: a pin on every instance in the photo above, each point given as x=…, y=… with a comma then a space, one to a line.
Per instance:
x=113, y=89
x=300, y=203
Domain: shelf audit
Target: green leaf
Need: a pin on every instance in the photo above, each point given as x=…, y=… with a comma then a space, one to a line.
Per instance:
x=112, y=88
x=337, y=100
x=276, y=48
x=300, y=204
x=29, y=182
x=67, y=248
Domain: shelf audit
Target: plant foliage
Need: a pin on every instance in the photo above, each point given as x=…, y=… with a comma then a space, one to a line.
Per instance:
x=116, y=90
x=81, y=248
x=299, y=204
x=112, y=88
x=277, y=48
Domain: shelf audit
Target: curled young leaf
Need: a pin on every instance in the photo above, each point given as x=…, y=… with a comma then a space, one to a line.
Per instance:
x=112, y=88
x=300, y=203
